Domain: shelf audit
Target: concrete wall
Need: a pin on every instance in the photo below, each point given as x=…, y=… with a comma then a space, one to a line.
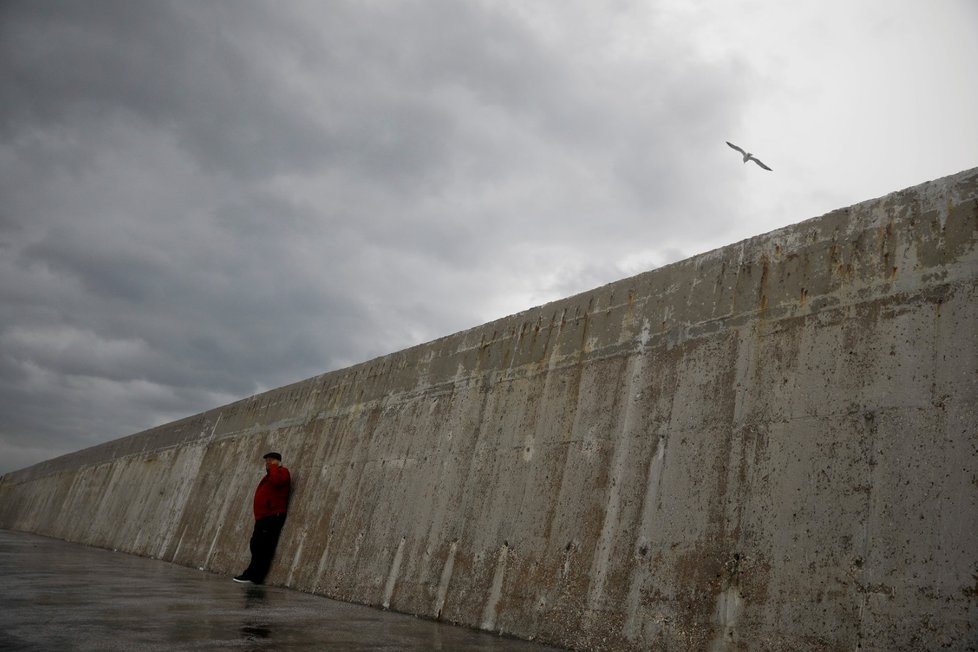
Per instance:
x=773, y=445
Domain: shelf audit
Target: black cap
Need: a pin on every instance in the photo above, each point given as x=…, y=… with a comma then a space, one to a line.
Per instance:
x=274, y=456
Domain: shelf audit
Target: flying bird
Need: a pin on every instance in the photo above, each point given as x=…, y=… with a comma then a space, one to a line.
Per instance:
x=748, y=156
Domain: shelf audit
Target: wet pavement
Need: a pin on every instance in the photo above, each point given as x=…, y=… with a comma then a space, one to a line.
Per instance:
x=64, y=596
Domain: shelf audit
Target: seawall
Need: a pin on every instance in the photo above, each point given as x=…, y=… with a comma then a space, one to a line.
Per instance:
x=773, y=445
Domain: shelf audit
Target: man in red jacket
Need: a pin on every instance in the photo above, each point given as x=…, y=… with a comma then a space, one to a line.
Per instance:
x=271, y=506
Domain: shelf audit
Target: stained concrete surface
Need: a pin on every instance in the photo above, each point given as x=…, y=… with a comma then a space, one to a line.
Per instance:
x=770, y=446
x=63, y=596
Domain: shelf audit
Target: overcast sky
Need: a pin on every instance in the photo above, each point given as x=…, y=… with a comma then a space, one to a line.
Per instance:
x=200, y=201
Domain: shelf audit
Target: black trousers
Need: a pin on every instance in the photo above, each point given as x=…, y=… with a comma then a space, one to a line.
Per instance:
x=263, y=542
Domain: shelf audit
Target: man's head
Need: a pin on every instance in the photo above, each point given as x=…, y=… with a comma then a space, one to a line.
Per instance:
x=272, y=459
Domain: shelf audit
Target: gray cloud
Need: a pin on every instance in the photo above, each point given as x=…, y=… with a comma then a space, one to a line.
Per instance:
x=204, y=200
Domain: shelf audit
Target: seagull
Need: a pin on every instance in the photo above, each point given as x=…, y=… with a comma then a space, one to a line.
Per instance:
x=748, y=156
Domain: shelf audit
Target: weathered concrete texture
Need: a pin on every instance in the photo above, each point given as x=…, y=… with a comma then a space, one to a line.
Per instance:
x=768, y=446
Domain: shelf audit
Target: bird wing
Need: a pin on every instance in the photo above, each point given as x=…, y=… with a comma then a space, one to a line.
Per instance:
x=735, y=147
x=761, y=164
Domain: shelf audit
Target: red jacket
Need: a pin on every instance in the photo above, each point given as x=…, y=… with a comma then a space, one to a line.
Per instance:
x=272, y=494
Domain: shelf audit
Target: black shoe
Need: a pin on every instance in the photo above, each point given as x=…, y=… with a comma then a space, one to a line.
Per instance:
x=243, y=579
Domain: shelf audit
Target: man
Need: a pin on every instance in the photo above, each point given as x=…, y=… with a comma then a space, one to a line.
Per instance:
x=271, y=505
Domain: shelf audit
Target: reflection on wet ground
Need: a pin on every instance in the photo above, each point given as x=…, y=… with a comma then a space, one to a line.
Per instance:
x=64, y=596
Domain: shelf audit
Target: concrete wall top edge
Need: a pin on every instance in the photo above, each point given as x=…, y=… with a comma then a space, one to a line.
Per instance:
x=887, y=245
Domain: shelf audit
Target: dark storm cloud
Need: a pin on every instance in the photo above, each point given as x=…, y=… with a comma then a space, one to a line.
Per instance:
x=168, y=64
x=204, y=200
